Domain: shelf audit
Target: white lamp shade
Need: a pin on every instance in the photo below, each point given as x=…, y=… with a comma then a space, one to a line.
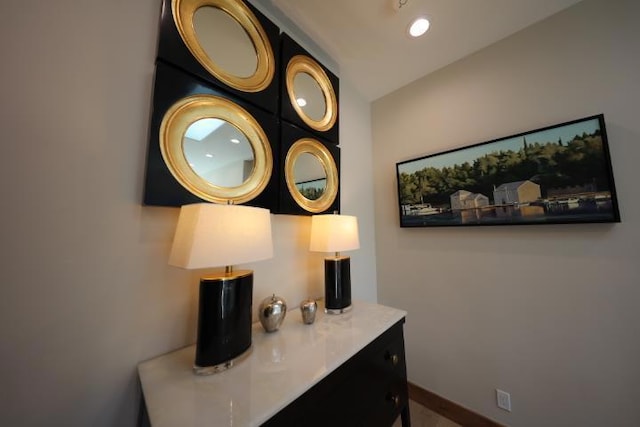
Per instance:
x=334, y=233
x=210, y=235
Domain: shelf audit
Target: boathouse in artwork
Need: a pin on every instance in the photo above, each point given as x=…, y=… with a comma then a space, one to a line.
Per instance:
x=463, y=199
x=516, y=192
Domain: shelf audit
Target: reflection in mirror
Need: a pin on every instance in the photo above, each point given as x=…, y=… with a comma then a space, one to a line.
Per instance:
x=309, y=175
x=225, y=41
x=218, y=152
x=309, y=96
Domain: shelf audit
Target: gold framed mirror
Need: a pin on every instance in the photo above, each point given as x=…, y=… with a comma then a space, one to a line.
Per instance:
x=215, y=149
x=309, y=162
x=311, y=93
x=245, y=60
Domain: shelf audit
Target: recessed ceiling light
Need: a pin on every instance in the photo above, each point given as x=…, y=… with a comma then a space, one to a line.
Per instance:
x=419, y=26
x=301, y=102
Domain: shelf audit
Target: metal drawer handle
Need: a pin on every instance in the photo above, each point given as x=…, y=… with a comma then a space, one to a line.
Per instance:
x=395, y=399
x=393, y=358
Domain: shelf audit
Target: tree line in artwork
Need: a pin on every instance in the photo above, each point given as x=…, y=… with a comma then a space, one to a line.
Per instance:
x=312, y=193
x=551, y=165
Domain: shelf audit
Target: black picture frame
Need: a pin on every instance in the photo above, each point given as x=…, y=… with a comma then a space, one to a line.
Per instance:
x=161, y=188
x=288, y=49
x=289, y=135
x=172, y=49
x=558, y=174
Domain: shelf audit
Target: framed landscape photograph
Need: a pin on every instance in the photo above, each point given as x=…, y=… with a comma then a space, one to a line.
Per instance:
x=554, y=175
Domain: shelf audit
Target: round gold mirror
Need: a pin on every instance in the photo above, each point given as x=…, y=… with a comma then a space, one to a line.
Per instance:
x=215, y=149
x=311, y=93
x=311, y=175
x=227, y=40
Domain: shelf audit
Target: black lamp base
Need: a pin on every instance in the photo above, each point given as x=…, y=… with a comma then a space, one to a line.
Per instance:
x=337, y=284
x=224, y=321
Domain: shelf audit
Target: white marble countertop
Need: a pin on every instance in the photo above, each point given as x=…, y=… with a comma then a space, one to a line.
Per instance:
x=281, y=366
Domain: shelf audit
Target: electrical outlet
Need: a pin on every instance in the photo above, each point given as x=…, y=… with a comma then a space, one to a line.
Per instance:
x=504, y=400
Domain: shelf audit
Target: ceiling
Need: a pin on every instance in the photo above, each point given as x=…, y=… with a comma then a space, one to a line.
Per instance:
x=368, y=41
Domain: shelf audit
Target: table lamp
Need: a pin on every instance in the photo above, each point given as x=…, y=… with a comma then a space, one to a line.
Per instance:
x=335, y=233
x=210, y=235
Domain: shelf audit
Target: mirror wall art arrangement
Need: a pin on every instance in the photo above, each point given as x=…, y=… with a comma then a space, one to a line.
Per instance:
x=242, y=114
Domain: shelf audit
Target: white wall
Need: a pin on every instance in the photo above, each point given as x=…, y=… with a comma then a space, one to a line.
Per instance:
x=547, y=313
x=86, y=292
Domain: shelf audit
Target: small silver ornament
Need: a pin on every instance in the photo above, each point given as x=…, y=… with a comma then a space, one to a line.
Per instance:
x=308, y=308
x=271, y=313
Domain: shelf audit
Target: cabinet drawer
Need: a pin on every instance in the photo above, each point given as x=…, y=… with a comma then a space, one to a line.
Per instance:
x=370, y=389
x=382, y=382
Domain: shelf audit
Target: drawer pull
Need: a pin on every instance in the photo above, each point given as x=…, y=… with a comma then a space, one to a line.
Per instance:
x=393, y=358
x=395, y=399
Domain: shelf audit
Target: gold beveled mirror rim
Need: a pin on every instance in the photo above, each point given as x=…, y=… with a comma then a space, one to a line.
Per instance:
x=304, y=64
x=190, y=109
x=183, y=12
x=315, y=148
